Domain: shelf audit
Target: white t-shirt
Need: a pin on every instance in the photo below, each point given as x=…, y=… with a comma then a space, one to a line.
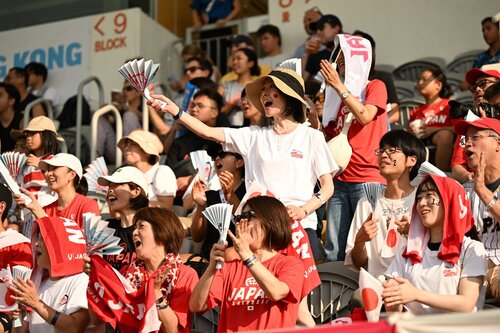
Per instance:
x=66, y=295
x=273, y=61
x=441, y=277
x=384, y=208
x=161, y=182
x=287, y=165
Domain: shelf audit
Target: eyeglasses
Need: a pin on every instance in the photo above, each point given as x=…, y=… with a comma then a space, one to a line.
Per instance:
x=201, y=106
x=244, y=216
x=422, y=81
x=475, y=137
x=482, y=84
x=191, y=69
x=128, y=88
x=388, y=151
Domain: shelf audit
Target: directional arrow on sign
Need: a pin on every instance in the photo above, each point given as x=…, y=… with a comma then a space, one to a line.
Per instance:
x=96, y=26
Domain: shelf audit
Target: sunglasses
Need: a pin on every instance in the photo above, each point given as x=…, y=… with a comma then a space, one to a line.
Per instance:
x=223, y=154
x=244, y=216
x=128, y=88
x=320, y=98
x=191, y=69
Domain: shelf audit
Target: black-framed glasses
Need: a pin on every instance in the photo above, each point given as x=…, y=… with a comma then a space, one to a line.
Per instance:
x=424, y=81
x=244, y=216
x=481, y=84
x=191, y=69
x=128, y=88
x=475, y=137
x=388, y=151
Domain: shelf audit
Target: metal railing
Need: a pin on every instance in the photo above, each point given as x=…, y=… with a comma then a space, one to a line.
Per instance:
x=119, y=131
x=48, y=108
x=79, y=109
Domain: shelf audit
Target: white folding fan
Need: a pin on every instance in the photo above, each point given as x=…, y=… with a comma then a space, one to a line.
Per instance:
x=294, y=64
x=204, y=165
x=372, y=190
x=100, y=238
x=14, y=161
x=220, y=217
x=425, y=169
x=11, y=183
x=95, y=170
x=140, y=74
x=24, y=273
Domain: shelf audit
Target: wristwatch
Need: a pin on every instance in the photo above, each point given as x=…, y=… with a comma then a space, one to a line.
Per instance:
x=344, y=95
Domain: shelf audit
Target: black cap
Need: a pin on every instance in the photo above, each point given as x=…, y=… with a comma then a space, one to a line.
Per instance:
x=238, y=39
x=329, y=18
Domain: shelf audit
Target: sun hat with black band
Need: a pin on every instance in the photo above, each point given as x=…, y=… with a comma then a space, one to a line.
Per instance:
x=286, y=80
x=149, y=142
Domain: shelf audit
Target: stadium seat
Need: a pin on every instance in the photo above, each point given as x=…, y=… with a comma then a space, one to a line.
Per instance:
x=405, y=107
x=462, y=62
x=405, y=89
x=454, y=80
x=410, y=71
x=330, y=300
x=207, y=322
x=462, y=97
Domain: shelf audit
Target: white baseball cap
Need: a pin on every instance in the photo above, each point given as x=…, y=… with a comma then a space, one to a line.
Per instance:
x=63, y=159
x=126, y=174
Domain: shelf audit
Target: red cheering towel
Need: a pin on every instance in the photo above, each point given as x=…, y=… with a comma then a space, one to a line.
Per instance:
x=65, y=244
x=457, y=221
x=116, y=301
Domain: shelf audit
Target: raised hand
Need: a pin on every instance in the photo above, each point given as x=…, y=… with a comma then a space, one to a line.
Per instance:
x=199, y=196
x=242, y=239
x=368, y=230
x=403, y=225
x=226, y=179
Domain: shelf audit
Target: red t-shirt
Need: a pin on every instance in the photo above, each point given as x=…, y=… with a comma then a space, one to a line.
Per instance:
x=434, y=115
x=16, y=254
x=187, y=278
x=363, y=166
x=245, y=307
x=300, y=248
x=459, y=157
x=75, y=210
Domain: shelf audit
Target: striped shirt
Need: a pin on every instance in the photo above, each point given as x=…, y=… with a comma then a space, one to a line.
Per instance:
x=487, y=226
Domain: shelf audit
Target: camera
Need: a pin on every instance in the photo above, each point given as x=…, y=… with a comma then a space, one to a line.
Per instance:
x=459, y=110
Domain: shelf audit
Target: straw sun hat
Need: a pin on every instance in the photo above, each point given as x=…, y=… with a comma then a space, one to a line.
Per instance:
x=286, y=80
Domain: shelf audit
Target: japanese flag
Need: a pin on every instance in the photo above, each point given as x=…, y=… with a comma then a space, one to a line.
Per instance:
x=371, y=293
x=392, y=239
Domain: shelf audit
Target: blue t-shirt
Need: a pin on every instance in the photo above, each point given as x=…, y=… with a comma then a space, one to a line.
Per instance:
x=484, y=58
x=215, y=9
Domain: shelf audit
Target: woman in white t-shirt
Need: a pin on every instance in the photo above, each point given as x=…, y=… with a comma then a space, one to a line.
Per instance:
x=142, y=149
x=287, y=157
x=441, y=269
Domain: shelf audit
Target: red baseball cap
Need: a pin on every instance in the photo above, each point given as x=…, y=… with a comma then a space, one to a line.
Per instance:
x=485, y=123
x=474, y=73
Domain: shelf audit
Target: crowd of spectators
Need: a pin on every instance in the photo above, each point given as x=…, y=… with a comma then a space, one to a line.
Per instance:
x=431, y=232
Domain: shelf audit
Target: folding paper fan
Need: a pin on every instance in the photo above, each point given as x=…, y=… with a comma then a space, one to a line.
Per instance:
x=372, y=191
x=24, y=273
x=220, y=217
x=14, y=161
x=95, y=170
x=425, y=169
x=294, y=64
x=11, y=183
x=203, y=163
x=100, y=238
x=140, y=74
